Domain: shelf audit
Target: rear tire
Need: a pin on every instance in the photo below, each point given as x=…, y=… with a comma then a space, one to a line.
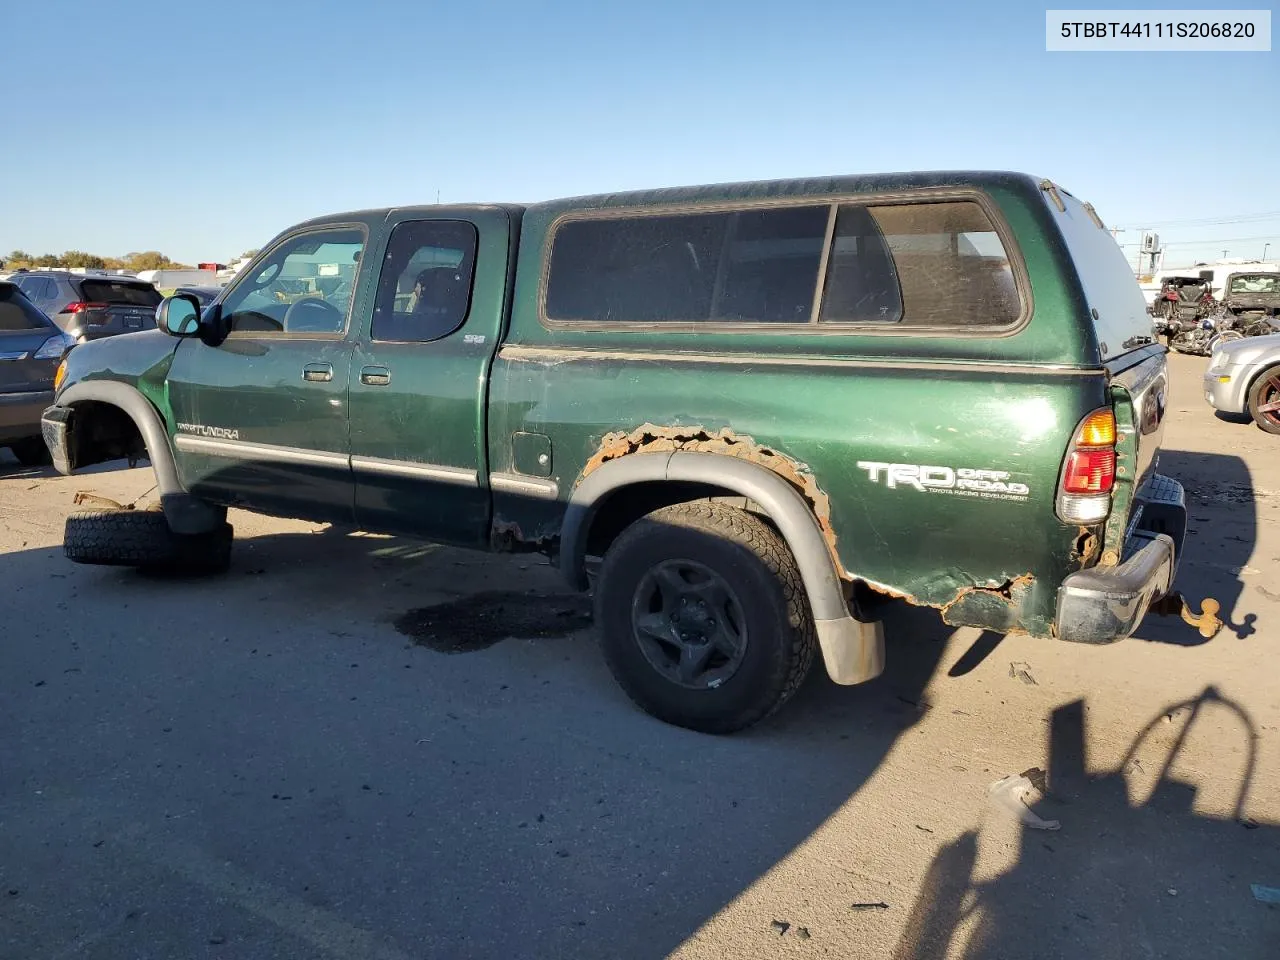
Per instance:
x=142, y=539
x=656, y=577
x=31, y=452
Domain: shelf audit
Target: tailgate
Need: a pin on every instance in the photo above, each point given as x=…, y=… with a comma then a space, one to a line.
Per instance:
x=118, y=306
x=126, y=317
x=1140, y=396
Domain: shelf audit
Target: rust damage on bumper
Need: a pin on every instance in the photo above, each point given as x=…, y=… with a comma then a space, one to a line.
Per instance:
x=651, y=438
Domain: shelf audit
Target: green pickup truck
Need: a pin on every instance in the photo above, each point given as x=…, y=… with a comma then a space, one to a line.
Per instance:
x=745, y=415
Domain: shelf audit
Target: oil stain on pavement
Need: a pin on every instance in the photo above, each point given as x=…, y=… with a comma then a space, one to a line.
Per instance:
x=482, y=619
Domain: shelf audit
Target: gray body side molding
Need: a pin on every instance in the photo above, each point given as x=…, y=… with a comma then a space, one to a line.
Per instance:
x=186, y=514
x=852, y=650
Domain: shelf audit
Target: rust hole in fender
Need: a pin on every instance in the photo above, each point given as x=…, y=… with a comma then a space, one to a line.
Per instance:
x=651, y=438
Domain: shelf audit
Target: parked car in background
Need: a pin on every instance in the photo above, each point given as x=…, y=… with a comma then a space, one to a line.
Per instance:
x=205, y=295
x=30, y=347
x=1244, y=377
x=1252, y=296
x=91, y=306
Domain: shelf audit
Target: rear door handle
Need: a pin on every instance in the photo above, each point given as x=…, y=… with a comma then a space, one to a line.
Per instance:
x=318, y=372
x=375, y=376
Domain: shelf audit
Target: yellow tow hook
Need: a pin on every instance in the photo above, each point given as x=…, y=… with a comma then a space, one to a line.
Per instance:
x=1206, y=621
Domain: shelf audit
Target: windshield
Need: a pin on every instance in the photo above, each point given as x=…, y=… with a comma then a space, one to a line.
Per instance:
x=1256, y=284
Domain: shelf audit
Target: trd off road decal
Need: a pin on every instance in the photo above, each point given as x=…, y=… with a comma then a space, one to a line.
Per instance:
x=960, y=482
x=200, y=430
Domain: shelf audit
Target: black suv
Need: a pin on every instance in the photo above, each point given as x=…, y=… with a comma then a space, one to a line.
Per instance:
x=91, y=305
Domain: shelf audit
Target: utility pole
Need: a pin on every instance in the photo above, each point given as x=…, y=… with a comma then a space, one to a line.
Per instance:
x=1265, y=247
x=1224, y=254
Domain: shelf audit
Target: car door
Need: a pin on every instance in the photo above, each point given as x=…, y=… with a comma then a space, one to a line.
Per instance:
x=30, y=347
x=420, y=372
x=260, y=419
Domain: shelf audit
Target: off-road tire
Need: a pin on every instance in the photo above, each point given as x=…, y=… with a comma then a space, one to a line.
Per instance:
x=1268, y=422
x=31, y=452
x=142, y=539
x=753, y=559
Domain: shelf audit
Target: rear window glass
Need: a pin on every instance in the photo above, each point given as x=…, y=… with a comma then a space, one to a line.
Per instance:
x=926, y=264
x=1117, y=306
x=17, y=312
x=114, y=291
x=923, y=264
x=1256, y=284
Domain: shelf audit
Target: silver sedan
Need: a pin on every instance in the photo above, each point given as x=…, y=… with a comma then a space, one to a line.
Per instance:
x=1243, y=376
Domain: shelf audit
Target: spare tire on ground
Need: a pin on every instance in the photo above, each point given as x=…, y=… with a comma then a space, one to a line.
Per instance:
x=142, y=539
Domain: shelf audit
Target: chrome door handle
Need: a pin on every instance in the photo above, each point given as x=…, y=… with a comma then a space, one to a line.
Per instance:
x=375, y=376
x=318, y=372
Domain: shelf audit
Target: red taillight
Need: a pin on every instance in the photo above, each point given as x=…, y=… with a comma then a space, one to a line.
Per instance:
x=80, y=307
x=1090, y=471
x=1171, y=295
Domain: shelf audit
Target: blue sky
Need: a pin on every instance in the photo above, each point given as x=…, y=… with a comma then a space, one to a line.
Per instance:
x=202, y=130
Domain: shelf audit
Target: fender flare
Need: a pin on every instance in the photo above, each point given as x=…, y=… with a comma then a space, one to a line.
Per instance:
x=186, y=514
x=852, y=650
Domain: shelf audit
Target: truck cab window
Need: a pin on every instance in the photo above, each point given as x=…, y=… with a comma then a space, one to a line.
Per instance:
x=424, y=292
x=303, y=287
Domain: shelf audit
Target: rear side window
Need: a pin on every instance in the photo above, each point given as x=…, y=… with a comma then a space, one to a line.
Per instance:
x=114, y=291
x=424, y=290
x=39, y=288
x=753, y=266
x=921, y=264
x=17, y=312
x=1117, y=307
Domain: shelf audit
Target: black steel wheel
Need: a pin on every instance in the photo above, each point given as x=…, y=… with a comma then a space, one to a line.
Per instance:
x=703, y=618
x=689, y=624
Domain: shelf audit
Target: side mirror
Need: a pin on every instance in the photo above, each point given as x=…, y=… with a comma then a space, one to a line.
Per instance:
x=179, y=315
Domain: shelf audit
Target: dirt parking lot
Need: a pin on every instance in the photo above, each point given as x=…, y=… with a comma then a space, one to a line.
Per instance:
x=355, y=746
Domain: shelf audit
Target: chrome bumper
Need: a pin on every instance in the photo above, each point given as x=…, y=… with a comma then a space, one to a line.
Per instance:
x=53, y=425
x=1105, y=604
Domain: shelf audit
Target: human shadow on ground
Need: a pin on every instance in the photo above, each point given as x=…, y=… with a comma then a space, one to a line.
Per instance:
x=1128, y=875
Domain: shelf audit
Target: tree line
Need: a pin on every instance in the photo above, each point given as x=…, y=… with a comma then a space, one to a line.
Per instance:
x=146, y=260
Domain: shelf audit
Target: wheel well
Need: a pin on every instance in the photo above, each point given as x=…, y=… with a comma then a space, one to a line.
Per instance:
x=1248, y=390
x=102, y=432
x=626, y=505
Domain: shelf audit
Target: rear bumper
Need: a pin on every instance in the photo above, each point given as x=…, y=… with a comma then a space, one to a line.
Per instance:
x=54, y=423
x=1105, y=604
x=20, y=413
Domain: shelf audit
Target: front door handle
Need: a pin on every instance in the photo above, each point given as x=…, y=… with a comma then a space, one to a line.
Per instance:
x=318, y=372
x=375, y=376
